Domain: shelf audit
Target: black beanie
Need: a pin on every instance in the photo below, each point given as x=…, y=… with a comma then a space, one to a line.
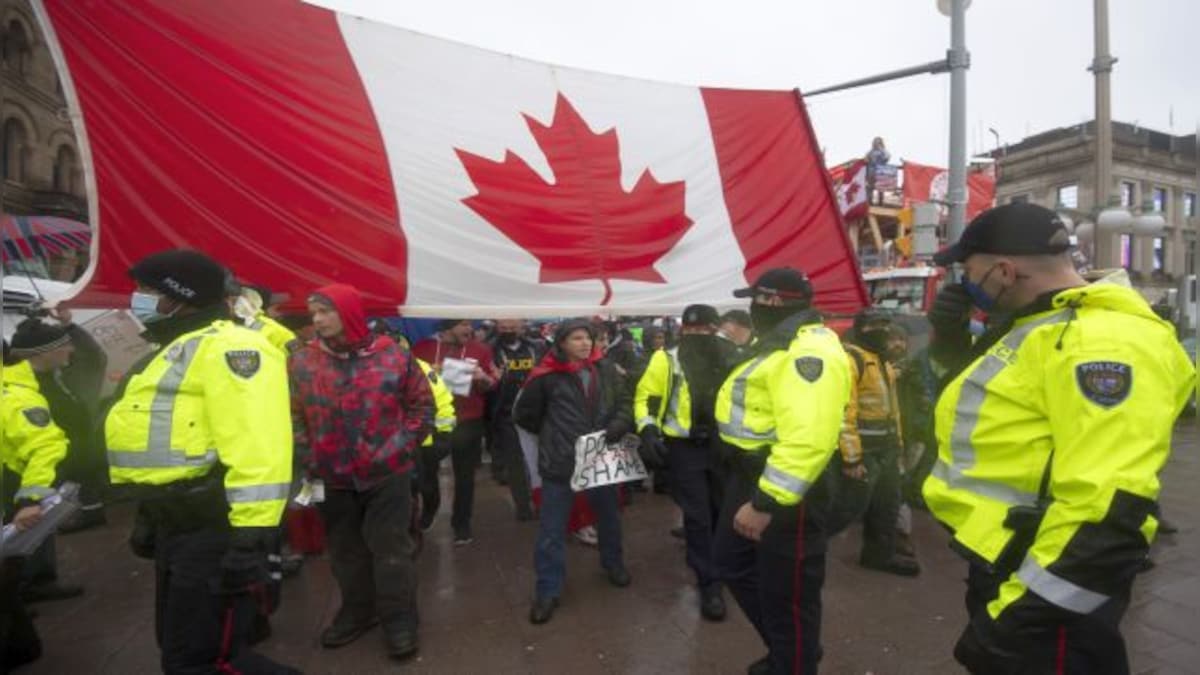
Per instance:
x=188, y=276
x=34, y=337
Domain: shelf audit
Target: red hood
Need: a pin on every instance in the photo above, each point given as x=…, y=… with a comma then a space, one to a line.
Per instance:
x=349, y=305
x=553, y=363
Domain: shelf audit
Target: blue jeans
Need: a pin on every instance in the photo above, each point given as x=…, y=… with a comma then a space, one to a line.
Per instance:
x=550, y=554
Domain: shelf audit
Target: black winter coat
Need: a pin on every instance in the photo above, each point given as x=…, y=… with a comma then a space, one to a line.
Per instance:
x=555, y=407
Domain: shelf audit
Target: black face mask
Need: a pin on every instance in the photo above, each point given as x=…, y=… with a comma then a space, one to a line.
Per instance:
x=874, y=340
x=507, y=338
x=766, y=317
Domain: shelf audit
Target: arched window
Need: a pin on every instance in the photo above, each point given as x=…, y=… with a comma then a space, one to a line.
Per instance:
x=14, y=151
x=16, y=47
x=66, y=168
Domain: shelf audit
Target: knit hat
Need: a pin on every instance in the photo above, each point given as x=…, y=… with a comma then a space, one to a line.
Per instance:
x=188, y=276
x=34, y=337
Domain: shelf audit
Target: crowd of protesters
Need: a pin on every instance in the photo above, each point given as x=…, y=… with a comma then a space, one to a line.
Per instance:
x=200, y=435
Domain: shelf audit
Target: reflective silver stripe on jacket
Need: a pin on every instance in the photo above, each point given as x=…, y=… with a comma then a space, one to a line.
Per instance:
x=1057, y=590
x=257, y=324
x=444, y=421
x=647, y=421
x=873, y=432
x=974, y=390
x=783, y=481
x=671, y=418
x=736, y=426
x=159, y=453
x=159, y=460
x=1001, y=492
x=257, y=493
x=33, y=492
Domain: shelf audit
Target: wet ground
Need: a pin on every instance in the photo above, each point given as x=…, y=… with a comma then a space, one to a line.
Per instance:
x=475, y=601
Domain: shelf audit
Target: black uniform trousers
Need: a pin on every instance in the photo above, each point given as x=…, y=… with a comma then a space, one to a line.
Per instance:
x=371, y=552
x=199, y=629
x=506, y=447
x=697, y=489
x=1084, y=645
x=466, y=452
x=777, y=581
x=883, y=502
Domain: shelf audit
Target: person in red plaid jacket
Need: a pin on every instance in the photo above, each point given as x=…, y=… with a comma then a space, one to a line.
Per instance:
x=361, y=407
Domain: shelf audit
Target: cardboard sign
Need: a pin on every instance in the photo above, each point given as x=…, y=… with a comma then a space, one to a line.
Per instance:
x=597, y=463
x=119, y=335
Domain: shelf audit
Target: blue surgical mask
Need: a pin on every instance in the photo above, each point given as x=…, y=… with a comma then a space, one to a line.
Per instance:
x=144, y=306
x=979, y=296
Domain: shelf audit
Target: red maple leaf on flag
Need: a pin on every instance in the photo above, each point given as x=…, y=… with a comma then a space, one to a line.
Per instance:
x=583, y=225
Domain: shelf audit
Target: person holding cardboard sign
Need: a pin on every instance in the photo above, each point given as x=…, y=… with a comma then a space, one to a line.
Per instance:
x=572, y=393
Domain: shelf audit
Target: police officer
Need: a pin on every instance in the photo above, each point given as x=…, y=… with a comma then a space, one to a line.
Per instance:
x=871, y=440
x=675, y=398
x=31, y=446
x=782, y=411
x=1049, y=447
x=201, y=436
x=434, y=448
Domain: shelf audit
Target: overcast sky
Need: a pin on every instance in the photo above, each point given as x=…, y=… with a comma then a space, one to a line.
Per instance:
x=1028, y=57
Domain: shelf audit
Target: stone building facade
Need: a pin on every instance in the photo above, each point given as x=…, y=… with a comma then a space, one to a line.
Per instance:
x=40, y=168
x=1151, y=169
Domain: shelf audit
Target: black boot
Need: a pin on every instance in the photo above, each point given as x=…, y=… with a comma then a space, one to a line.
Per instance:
x=542, y=610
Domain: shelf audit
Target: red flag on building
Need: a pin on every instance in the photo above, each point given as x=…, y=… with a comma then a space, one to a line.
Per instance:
x=924, y=183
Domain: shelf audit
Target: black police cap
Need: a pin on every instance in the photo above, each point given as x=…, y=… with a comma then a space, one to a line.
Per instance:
x=786, y=282
x=1012, y=229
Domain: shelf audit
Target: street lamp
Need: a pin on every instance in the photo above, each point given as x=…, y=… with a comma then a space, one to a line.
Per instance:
x=1149, y=222
x=1114, y=217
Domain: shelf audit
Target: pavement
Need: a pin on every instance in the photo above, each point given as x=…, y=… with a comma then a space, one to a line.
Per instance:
x=474, y=602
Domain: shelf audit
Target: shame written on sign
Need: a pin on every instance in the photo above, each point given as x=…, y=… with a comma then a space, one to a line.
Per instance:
x=597, y=463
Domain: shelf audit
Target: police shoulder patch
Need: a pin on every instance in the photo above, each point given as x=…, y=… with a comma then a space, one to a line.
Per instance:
x=810, y=368
x=1105, y=383
x=38, y=417
x=243, y=362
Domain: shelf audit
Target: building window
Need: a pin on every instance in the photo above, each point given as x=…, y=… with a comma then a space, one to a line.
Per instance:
x=16, y=47
x=1189, y=204
x=1160, y=200
x=1160, y=254
x=13, y=152
x=66, y=168
x=1127, y=251
x=1019, y=199
x=1068, y=196
x=1127, y=193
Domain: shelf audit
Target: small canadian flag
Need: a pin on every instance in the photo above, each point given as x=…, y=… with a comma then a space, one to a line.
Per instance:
x=852, y=192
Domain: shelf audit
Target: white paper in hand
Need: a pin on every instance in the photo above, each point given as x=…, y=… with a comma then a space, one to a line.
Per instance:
x=458, y=375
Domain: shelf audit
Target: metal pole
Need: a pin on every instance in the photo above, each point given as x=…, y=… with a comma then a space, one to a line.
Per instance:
x=932, y=68
x=960, y=60
x=1102, y=66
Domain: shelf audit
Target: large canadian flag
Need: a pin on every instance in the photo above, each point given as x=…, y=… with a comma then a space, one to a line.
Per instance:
x=301, y=146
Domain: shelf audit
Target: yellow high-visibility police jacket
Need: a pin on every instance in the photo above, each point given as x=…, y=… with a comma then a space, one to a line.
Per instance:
x=276, y=333
x=218, y=394
x=790, y=402
x=443, y=415
x=663, y=383
x=1072, y=410
x=31, y=444
x=873, y=414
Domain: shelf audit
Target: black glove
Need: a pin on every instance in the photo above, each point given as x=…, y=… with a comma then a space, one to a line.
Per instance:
x=951, y=309
x=141, y=539
x=615, y=431
x=652, y=449
x=244, y=564
x=441, y=445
